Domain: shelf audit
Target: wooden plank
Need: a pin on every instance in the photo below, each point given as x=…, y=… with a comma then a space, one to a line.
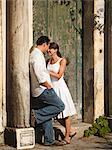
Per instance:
x=39, y=18
x=61, y=30
x=88, y=62
x=108, y=58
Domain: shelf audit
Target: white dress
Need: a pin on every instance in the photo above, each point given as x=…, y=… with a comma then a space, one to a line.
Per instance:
x=62, y=91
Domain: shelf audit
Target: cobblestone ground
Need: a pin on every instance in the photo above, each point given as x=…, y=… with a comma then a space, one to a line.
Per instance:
x=77, y=143
x=91, y=143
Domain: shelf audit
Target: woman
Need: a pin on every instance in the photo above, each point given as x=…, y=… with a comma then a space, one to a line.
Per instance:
x=56, y=67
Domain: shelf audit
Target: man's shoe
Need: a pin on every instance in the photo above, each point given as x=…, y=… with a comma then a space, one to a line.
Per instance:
x=56, y=143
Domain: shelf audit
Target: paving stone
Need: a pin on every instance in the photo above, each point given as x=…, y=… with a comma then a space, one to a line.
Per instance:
x=77, y=143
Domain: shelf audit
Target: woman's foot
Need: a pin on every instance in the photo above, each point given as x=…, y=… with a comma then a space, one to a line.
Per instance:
x=67, y=140
x=72, y=132
x=72, y=135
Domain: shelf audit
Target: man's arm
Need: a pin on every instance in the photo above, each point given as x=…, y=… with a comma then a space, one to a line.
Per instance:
x=40, y=72
x=46, y=84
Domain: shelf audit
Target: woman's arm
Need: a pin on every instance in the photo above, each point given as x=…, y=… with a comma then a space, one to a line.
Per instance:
x=61, y=69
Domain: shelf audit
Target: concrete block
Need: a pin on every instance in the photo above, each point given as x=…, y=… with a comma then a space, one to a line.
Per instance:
x=1, y=137
x=21, y=138
x=25, y=138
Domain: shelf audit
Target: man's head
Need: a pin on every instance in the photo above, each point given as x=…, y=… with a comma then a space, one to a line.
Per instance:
x=43, y=43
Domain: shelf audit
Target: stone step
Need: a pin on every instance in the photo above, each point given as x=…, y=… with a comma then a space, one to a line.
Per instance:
x=79, y=127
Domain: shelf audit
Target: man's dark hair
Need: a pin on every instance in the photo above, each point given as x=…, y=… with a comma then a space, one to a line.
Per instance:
x=42, y=39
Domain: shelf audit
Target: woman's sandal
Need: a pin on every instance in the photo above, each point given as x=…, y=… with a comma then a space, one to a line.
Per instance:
x=65, y=142
x=72, y=135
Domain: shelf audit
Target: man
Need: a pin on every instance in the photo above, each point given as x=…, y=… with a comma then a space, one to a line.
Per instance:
x=47, y=103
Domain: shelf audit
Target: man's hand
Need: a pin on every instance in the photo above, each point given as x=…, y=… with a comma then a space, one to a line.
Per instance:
x=47, y=85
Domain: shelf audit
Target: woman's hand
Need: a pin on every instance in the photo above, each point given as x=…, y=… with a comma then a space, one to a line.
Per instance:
x=61, y=69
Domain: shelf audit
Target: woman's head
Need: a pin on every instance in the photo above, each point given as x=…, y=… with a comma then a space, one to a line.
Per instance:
x=54, y=49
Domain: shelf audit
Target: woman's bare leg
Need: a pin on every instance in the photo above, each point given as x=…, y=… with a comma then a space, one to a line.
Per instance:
x=67, y=129
x=73, y=130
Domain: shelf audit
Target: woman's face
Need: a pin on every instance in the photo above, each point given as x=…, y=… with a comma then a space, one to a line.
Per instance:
x=51, y=52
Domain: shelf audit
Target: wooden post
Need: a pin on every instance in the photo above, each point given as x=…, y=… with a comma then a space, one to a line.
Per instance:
x=2, y=68
x=108, y=58
x=88, y=61
x=93, y=60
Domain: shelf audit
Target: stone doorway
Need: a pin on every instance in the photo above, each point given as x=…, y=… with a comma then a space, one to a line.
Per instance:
x=62, y=22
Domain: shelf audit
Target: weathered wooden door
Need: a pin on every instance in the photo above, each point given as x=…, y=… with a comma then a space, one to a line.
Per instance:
x=61, y=20
x=108, y=58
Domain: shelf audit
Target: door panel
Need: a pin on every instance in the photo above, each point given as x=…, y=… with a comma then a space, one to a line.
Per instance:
x=62, y=22
x=108, y=58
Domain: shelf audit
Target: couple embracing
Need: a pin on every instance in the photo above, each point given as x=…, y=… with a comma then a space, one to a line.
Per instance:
x=49, y=90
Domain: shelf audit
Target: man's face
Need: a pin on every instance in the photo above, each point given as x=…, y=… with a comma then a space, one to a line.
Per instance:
x=46, y=46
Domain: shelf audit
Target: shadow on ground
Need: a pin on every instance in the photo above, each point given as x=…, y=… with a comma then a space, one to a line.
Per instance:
x=39, y=138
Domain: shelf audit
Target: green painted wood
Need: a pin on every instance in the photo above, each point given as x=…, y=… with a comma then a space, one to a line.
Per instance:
x=39, y=18
x=63, y=28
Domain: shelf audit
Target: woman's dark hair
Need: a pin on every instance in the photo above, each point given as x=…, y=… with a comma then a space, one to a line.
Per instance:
x=42, y=39
x=55, y=46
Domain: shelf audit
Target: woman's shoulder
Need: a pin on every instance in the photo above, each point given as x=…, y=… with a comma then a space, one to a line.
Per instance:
x=65, y=60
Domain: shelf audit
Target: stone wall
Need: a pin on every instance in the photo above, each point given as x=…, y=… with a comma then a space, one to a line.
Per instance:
x=19, y=41
x=98, y=58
